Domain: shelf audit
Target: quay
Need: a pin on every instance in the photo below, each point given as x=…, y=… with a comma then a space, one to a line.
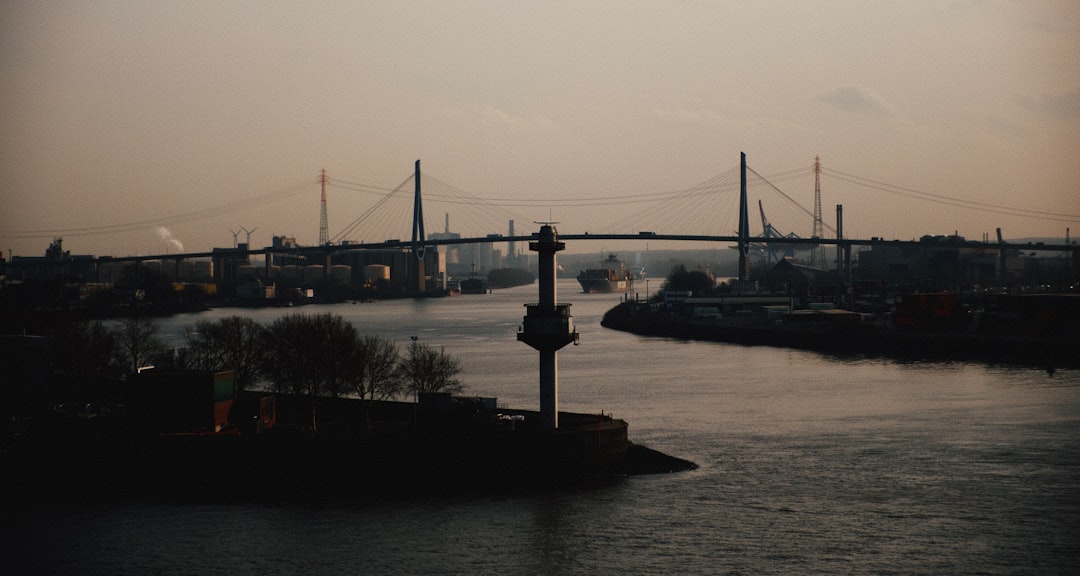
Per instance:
x=1040, y=331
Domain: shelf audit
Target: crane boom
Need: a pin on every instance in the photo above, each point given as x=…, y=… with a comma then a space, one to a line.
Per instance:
x=764, y=221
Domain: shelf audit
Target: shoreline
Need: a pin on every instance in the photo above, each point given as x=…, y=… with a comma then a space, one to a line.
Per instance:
x=366, y=452
x=1047, y=352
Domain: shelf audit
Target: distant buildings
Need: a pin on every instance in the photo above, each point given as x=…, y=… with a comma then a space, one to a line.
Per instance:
x=950, y=263
x=288, y=272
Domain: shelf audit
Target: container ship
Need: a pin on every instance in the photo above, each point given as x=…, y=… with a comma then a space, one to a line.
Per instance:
x=612, y=276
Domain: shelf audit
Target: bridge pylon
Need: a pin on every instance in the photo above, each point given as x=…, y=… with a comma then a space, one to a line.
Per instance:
x=418, y=236
x=744, y=223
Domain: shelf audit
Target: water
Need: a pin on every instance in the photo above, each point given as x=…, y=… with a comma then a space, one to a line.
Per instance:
x=808, y=464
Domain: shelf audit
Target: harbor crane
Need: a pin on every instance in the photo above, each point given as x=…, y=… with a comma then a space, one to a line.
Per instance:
x=770, y=231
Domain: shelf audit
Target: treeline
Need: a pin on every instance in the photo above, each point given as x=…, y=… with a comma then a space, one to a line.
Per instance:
x=316, y=355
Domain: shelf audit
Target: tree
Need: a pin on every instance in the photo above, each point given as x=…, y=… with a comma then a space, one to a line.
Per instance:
x=233, y=343
x=425, y=369
x=138, y=341
x=376, y=364
x=87, y=350
x=310, y=355
x=680, y=280
x=86, y=360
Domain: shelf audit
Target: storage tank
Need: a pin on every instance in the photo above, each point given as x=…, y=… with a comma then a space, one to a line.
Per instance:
x=111, y=272
x=204, y=269
x=245, y=273
x=269, y=273
x=313, y=274
x=292, y=272
x=186, y=270
x=376, y=272
x=342, y=273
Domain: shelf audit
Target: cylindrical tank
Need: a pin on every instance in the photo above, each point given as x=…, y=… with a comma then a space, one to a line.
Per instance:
x=186, y=271
x=204, y=269
x=110, y=272
x=269, y=273
x=313, y=273
x=342, y=273
x=374, y=272
x=292, y=272
x=245, y=273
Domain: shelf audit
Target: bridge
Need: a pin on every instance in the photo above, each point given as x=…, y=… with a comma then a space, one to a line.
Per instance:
x=715, y=211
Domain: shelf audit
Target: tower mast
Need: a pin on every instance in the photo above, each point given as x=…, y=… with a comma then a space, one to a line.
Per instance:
x=324, y=228
x=817, y=257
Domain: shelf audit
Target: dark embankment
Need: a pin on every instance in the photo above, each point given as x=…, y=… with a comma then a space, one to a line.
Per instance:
x=644, y=460
x=1043, y=351
x=361, y=452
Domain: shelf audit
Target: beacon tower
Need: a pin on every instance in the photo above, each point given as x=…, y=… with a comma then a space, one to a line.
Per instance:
x=548, y=326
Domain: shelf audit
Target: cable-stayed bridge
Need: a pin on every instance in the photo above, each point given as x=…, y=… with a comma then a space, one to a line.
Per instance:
x=716, y=210
x=709, y=208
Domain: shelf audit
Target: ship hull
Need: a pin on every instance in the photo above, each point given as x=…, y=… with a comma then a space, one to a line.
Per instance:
x=611, y=277
x=597, y=285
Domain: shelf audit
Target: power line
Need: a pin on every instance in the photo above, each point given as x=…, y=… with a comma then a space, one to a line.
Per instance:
x=201, y=214
x=949, y=200
x=792, y=200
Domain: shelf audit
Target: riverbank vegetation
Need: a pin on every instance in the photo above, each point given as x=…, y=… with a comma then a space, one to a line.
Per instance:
x=76, y=363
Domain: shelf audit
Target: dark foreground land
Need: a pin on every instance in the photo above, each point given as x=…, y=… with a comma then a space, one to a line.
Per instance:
x=363, y=452
x=1054, y=349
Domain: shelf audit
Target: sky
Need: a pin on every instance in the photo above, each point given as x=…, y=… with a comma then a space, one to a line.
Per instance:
x=138, y=127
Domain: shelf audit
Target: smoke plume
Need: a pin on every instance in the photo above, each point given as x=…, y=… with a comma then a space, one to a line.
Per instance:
x=168, y=239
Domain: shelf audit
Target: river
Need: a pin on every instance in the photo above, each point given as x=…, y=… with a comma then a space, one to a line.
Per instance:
x=808, y=464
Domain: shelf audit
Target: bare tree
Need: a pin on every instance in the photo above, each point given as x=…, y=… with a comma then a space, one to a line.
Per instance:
x=138, y=340
x=376, y=363
x=425, y=369
x=232, y=343
x=87, y=350
x=310, y=355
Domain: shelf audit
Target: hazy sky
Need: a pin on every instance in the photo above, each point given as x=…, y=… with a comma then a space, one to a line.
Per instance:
x=129, y=115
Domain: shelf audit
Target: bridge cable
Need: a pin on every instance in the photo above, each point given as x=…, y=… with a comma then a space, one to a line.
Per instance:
x=185, y=217
x=948, y=200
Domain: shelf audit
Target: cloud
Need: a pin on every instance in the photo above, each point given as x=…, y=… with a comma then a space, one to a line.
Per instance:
x=499, y=117
x=1065, y=105
x=704, y=118
x=858, y=100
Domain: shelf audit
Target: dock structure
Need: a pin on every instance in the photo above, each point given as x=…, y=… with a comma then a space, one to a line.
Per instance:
x=548, y=326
